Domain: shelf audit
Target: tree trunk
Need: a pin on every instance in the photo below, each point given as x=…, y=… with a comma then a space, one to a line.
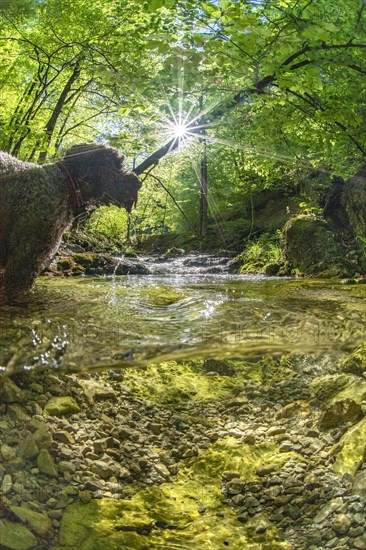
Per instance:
x=203, y=192
x=50, y=126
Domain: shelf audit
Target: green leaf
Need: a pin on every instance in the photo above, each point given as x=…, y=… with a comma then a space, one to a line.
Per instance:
x=155, y=5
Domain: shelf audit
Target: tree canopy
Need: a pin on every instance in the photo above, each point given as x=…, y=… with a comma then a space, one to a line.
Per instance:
x=271, y=85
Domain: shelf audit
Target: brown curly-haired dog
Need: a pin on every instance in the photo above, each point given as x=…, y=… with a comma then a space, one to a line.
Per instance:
x=38, y=203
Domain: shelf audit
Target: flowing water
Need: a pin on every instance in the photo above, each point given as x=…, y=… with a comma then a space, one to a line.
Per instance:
x=187, y=308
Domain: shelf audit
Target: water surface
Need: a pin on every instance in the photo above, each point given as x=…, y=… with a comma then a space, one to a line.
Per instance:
x=183, y=311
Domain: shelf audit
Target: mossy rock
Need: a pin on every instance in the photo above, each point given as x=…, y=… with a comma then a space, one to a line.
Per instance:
x=312, y=249
x=272, y=269
x=15, y=536
x=89, y=260
x=355, y=362
x=37, y=522
x=325, y=387
x=162, y=296
x=61, y=406
x=65, y=263
x=351, y=450
x=130, y=253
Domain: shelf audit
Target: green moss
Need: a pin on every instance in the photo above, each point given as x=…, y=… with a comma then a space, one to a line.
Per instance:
x=130, y=253
x=15, y=536
x=87, y=259
x=165, y=516
x=174, y=251
x=66, y=263
x=61, y=406
x=356, y=391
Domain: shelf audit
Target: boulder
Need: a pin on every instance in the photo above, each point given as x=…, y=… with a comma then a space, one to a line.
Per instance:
x=311, y=248
x=346, y=203
x=351, y=450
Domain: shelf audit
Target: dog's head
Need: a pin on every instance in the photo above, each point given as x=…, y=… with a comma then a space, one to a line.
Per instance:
x=102, y=170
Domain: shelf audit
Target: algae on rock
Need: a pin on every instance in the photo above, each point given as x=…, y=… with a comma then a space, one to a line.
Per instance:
x=184, y=512
x=351, y=450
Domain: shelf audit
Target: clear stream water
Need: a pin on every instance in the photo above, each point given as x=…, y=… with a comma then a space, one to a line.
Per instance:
x=188, y=308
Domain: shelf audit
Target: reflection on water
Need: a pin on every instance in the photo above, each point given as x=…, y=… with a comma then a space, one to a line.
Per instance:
x=133, y=320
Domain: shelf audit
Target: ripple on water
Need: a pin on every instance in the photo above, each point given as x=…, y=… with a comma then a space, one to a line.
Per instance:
x=133, y=320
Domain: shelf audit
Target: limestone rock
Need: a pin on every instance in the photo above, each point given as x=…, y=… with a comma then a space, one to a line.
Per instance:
x=15, y=536
x=28, y=449
x=9, y=392
x=61, y=406
x=46, y=464
x=38, y=523
x=351, y=449
x=311, y=248
x=340, y=412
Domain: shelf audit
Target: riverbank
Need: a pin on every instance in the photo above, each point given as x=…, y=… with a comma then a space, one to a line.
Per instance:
x=236, y=453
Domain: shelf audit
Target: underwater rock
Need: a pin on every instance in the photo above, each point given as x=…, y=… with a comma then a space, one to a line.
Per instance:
x=14, y=536
x=341, y=524
x=340, y=412
x=61, y=406
x=297, y=408
x=28, y=449
x=351, y=450
x=359, y=485
x=323, y=388
x=38, y=523
x=355, y=363
x=9, y=392
x=46, y=464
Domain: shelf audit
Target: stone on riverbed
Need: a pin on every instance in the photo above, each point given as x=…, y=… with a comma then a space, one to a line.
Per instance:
x=61, y=406
x=39, y=523
x=14, y=536
x=352, y=448
x=46, y=464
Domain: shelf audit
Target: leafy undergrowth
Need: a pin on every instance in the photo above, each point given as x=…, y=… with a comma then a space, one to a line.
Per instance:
x=262, y=252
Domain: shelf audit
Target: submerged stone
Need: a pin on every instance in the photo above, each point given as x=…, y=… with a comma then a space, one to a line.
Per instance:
x=46, y=464
x=9, y=392
x=61, y=406
x=340, y=412
x=15, y=536
x=355, y=362
x=352, y=448
x=39, y=523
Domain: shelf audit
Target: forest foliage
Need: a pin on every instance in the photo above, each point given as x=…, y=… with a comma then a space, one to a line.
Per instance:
x=275, y=87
